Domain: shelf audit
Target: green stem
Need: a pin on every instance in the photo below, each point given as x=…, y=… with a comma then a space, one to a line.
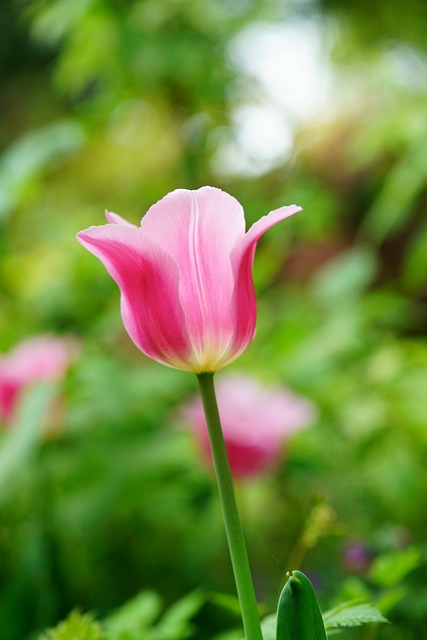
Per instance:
x=233, y=526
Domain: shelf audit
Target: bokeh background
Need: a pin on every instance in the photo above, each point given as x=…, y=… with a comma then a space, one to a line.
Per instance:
x=113, y=103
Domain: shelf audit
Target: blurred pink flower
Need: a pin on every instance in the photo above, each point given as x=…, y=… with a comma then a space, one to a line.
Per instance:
x=185, y=276
x=257, y=422
x=42, y=358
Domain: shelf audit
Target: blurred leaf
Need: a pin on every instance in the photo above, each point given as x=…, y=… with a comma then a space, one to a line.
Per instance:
x=345, y=277
x=395, y=202
x=136, y=615
x=268, y=627
x=324, y=348
x=30, y=155
x=354, y=589
x=232, y=634
x=23, y=437
x=349, y=614
x=361, y=36
x=83, y=58
x=76, y=627
x=390, y=569
x=414, y=273
x=390, y=598
x=57, y=18
x=227, y=602
x=175, y=623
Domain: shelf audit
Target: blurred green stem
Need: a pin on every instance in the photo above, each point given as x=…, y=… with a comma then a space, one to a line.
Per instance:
x=233, y=527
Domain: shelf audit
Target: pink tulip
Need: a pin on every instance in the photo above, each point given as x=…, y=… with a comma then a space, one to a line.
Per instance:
x=185, y=276
x=257, y=422
x=42, y=358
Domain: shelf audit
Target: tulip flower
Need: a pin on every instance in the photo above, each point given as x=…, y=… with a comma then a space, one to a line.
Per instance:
x=38, y=359
x=257, y=422
x=185, y=276
x=188, y=301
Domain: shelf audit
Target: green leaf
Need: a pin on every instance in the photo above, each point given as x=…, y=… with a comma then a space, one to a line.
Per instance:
x=22, y=439
x=298, y=613
x=350, y=614
x=415, y=267
x=77, y=626
x=394, y=204
x=136, y=615
x=175, y=623
x=268, y=627
x=226, y=601
x=346, y=277
x=30, y=155
x=390, y=569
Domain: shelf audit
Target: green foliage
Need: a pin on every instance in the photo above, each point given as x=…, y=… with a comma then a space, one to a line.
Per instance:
x=76, y=627
x=140, y=618
x=175, y=623
x=19, y=446
x=401, y=189
x=268, y=627
x=346, y=278
x=350, y=614
x=390, y=569
x=347, y=614
x=137, y=618
x=22, y=165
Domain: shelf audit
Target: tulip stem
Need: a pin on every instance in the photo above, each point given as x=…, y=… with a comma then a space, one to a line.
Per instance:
x=233, y=526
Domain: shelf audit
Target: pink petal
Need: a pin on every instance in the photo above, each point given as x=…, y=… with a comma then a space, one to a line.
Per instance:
x=148, y=280
x=44, y=357
x=199, y=229
x=114, y=218
x=244, y=294
x=9, y=394
x=257, y=422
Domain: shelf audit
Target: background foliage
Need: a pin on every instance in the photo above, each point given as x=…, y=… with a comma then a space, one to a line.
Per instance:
x=112, y=103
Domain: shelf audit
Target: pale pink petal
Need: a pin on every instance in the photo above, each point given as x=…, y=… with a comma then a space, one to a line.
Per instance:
x=257, y=422
x=244, y=304
x=148, y=280
x=200, y=229
x=44, y=357
x=37, y=359
x=114, y=218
